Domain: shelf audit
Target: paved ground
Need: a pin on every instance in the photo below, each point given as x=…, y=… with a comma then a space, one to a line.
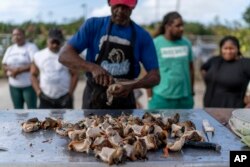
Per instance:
x=5, y=101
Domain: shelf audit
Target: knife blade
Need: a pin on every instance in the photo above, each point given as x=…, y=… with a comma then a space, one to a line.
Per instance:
x=208, y=129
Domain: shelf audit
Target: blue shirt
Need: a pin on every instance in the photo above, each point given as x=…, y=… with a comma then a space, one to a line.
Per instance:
x=93, y=33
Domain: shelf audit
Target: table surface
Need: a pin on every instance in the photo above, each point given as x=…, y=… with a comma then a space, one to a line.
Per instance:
x=222, y=115
x=46, y=148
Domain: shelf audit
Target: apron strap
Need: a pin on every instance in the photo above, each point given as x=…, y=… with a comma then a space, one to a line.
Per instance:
x=106, y=46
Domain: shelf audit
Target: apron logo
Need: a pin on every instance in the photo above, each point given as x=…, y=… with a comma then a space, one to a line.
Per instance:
x=119, y=65
x=116, y=56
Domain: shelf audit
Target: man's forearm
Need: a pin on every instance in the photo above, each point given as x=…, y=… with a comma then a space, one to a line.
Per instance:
x=149, y=93
x=35, y=84
x=73, y=83
x=34, y=78
x=70, y=58
x=151, y=79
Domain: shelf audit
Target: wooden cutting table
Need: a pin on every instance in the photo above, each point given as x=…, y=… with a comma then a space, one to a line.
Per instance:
x=47, y=149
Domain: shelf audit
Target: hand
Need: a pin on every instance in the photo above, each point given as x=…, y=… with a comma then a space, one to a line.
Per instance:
x=247, y=105
x=44, y=97
x=65, y=100
x=247, y=101
x=70, y=94
x=121, y=90
x=13, y=72
x=101, y=76
x=38, y=92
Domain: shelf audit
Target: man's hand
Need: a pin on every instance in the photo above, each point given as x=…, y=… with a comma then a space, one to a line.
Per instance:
x=121, y=90
x=101, y=76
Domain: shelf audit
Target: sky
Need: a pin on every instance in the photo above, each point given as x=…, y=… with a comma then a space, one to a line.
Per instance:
x=146, y=12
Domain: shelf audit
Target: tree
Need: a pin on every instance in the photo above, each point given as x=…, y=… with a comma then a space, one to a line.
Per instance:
x=195, y=28
x=246, y=15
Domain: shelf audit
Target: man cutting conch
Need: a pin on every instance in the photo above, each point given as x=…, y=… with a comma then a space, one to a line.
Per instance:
x=115, y=48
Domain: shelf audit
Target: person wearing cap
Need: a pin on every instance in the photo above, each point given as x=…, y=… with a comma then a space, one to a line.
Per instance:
x=115, y=48
x=16, y=65
x=56, y=83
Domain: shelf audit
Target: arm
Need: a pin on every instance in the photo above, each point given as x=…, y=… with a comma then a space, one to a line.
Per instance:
x=206, y=66
x=4, y=61
x=73, y=82
x=191, y=68
x=21, y=69
x=5, y=69
x=15, y=71
x=32, y=49
x=70, y=58
x=203, y=73
x=148, y=58
x=247, y=101
x=151, y=79
x=34, y=78
x=149, y=93
x=149, y=90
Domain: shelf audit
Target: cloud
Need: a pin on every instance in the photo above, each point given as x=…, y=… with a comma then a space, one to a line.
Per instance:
x=204, y=11
x=18, y=11
x=100, y=11
x=146, y=12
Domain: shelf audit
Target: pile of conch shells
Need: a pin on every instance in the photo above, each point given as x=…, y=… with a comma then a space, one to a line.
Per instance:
x=116, y=140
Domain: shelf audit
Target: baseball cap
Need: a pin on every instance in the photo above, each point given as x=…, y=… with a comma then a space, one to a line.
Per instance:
x=56, y=34
x=129, y=3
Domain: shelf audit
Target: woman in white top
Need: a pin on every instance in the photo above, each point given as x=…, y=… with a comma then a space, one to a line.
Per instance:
x=16, y=64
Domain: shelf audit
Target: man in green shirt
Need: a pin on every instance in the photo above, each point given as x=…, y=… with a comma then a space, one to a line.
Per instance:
x=174, y=52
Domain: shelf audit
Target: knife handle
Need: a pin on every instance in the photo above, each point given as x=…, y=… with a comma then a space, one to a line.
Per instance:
x=204, y=145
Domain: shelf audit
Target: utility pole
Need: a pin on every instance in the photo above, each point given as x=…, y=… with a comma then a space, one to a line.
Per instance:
x=50, y=14
x=178, y=3
x=157, y=10
x=84, y=6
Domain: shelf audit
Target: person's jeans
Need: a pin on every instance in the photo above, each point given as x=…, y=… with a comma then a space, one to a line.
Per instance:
x=19, y=96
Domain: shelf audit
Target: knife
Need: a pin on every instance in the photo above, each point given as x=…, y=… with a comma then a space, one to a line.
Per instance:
x=208, y=129
x=203, y=145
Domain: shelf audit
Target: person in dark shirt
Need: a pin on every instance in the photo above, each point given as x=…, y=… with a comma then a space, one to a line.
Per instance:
x=226, y=76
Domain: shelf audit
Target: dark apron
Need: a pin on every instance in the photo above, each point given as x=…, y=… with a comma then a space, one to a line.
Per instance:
x=118, y=60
